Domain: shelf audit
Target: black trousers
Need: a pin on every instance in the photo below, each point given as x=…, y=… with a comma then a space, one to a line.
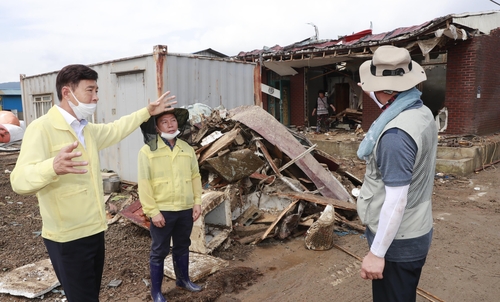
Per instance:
x=178, y=226
x=399, y=283
x=79, y=265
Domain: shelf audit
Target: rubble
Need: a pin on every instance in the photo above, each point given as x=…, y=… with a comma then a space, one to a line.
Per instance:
x=259, y=180
x=200, y=266
x=31, y=280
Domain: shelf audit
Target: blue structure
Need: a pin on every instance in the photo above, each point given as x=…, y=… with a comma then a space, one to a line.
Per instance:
x=10, y=98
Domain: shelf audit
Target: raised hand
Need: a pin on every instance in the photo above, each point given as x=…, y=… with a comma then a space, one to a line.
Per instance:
x=162, y=104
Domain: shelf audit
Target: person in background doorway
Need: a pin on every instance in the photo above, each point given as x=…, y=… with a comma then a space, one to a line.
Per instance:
x=395, y=199
x=59, y=162
x=170, y=193
x=321, y=111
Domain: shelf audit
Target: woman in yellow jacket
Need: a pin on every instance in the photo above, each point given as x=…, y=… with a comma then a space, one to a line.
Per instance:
x=170, y=194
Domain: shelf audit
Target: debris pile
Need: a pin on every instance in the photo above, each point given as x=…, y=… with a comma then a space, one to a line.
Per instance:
x=262, y=180
x=351, y=117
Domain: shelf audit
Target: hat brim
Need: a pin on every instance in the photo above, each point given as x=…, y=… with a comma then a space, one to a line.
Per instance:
x=149, y=131
x=369, y=82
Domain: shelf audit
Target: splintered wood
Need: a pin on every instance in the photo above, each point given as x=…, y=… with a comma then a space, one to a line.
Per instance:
x=269, y=178
x=277, y=173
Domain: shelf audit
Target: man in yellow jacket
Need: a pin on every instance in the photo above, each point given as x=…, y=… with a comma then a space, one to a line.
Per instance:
x=59, y=162
x=170, y=193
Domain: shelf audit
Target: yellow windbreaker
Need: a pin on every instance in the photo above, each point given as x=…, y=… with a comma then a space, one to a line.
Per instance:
x=71, y=205
x=169, y=180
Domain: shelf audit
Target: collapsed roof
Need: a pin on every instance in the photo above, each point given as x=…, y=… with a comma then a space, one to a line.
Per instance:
x=426, y=36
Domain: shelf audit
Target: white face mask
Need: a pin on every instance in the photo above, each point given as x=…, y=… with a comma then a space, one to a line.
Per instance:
x=374, y=97
x=82, y=111
x=170, y=136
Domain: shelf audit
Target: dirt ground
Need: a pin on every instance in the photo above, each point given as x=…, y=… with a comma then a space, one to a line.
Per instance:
x=463, y=264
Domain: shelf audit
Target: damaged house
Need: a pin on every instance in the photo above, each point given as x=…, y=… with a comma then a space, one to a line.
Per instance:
x=458, y=52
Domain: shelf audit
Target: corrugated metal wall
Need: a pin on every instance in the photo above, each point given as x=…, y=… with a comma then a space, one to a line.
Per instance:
x=209, y=81
x=127, y=85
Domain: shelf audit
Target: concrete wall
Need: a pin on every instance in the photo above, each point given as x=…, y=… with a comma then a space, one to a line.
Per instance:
x=459, y=161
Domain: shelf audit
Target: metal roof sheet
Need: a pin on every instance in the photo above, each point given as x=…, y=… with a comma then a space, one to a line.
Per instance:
x=484, y=21
x=10, y=91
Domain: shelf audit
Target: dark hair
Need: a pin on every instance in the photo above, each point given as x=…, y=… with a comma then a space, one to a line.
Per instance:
x=321, y=91
x=72, y=75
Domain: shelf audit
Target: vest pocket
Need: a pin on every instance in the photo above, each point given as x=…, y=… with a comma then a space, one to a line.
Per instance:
x=363, y=204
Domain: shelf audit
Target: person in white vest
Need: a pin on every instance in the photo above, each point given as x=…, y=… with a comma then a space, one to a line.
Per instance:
x=395, y=199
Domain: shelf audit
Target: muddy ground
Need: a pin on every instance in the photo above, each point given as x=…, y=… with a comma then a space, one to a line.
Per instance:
x=463, y=264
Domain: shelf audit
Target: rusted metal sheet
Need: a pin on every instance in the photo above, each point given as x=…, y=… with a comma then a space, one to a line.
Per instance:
x=339, y=204
x=236, y=165
x=274, y=132
x=160, y=54
x=209, y=230
x=358, y=40
x=257, y=80
x=135, y=214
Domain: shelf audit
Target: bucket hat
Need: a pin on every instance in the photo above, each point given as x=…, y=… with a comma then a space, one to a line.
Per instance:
x=149, y=131
x=391, y=68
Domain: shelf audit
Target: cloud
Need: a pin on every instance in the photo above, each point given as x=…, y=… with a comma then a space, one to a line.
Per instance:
x=43, y=36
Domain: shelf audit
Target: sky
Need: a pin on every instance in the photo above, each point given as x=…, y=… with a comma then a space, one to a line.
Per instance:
x=44, y=36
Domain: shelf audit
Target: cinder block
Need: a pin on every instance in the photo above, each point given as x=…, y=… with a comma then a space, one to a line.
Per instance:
x=249, y=216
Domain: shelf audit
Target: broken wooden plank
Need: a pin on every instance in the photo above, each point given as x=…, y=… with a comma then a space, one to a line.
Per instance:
x=271, y=227
x=352, y=225
x=263, y=178
x=277, y=134
x=288, y=164
x=268, y=157
x=251, y=238
x=266, y=218
x=219, y=144
x=307, y=222
x=275, y=167
x=339, y=204
x=244, y=231
x=326, y=158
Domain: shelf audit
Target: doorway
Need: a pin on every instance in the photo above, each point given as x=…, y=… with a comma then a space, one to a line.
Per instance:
x=280, y=108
